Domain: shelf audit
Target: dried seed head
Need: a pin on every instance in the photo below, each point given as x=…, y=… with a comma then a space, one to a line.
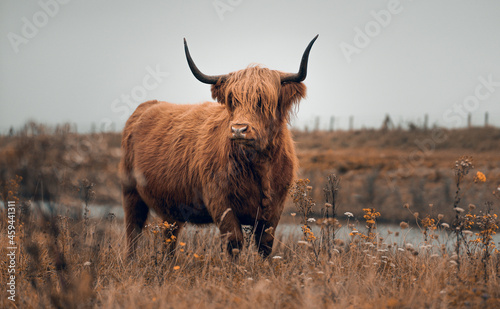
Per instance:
x=440, y=216
x=472, y=206
x=406, y=205
x=328, y=205
x=415, y=214
x=348, y=214
x=304, y=243
x=403, y=225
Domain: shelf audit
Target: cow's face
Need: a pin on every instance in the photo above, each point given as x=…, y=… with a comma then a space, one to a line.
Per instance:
x=257, y=99
x=258, y=105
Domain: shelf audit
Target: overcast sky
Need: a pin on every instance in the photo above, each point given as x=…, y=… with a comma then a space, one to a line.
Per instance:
x=94, y=61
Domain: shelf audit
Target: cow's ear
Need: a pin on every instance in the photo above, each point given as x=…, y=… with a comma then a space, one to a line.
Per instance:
x=219, y=93
x=290, y=94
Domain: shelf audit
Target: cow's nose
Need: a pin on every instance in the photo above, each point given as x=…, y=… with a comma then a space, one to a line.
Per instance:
x=239, y=129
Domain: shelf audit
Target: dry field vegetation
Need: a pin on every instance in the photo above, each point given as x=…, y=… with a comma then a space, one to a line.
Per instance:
x=68, y=258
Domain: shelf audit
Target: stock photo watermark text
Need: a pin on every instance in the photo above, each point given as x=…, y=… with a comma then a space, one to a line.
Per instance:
x=363, y=36
x=127, y=103
x=31, y=27
x=11, y=250
x=224, y=6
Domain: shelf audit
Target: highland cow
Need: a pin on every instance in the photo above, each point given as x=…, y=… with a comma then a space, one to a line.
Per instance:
x=228, y=163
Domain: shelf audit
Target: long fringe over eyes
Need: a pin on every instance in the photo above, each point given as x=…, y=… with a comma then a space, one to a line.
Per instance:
x=253, y=88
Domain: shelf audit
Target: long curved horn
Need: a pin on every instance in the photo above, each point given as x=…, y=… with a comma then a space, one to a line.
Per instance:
x=207, y=79
x=301, y=75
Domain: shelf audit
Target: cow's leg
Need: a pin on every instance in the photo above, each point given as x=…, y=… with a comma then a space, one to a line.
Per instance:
x=136, y=213
x=264, y=236
x=229, y=227
x=265, y=228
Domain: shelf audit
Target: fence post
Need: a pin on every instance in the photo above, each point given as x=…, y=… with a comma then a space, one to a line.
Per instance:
x=316, y=124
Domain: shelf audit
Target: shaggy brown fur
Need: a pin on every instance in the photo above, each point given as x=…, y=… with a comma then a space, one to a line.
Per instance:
x=182, y=162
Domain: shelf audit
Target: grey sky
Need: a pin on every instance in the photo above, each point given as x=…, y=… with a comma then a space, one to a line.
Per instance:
x=429, y=58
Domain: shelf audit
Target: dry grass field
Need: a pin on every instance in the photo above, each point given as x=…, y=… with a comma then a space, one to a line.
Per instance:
x=68, y=258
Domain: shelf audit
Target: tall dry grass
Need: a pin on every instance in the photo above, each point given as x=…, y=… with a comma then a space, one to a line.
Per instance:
x=69, y=260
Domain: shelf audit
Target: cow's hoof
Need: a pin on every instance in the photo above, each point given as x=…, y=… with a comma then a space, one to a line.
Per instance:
x=265, y=251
